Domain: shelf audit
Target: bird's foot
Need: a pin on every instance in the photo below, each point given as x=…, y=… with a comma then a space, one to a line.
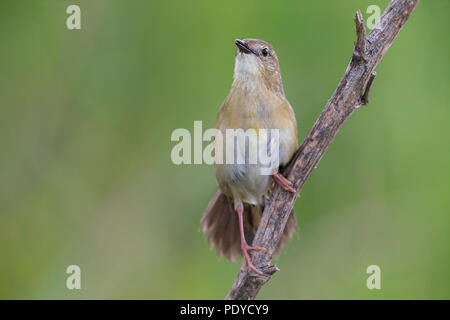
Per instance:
x=246, y=257
x=283, y=182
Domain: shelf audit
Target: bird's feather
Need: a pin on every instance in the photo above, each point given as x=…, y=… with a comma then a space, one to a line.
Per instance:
x=221, y=226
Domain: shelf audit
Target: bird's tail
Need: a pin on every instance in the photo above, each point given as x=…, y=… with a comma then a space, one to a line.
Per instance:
x=221, y=225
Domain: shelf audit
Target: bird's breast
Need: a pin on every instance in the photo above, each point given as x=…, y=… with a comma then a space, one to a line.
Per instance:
x=254, y=110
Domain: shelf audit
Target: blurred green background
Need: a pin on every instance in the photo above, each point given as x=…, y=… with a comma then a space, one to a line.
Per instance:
x=86, y=177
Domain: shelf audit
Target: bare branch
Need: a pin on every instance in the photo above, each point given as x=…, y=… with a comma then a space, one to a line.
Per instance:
x=352, y=91
x=365, y=96
x=360, y=46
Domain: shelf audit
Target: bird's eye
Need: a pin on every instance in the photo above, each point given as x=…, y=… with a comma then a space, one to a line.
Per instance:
x=265, y=52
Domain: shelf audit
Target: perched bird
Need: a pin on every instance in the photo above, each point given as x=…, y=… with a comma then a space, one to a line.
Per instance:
x=256, y=101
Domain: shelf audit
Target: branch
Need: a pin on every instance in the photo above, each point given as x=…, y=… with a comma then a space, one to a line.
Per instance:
x=352, y=92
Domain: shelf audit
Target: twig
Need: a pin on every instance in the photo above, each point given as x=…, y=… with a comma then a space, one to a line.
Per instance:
x=352, y=92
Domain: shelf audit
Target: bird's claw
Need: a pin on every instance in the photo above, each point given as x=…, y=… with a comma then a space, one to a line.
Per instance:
x=246, y=257
x=283, y=182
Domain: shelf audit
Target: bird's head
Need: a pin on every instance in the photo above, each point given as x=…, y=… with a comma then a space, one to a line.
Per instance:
x=257, y=64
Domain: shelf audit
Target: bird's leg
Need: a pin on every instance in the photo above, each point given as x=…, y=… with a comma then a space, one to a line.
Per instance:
x=283, y=182
x=239, y=207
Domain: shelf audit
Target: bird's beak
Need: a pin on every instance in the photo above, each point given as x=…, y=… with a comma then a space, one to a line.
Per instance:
x=243, y=47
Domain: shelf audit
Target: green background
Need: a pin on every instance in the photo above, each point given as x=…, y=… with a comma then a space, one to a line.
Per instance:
x=86, y=177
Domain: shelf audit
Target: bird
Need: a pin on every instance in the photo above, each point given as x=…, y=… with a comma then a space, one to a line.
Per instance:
x=256, y=101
